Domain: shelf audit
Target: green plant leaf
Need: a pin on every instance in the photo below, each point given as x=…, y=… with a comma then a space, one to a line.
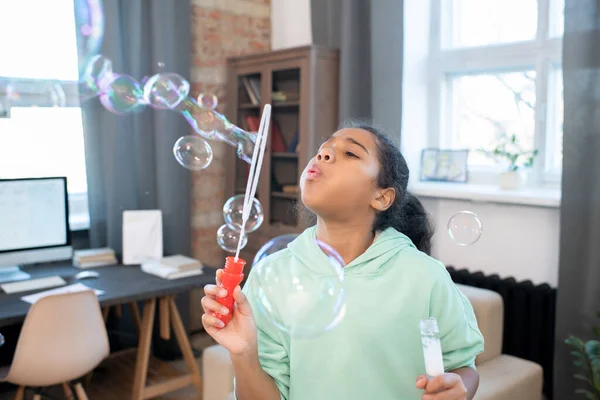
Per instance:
x=576, y=342
x=578, y=354
x=584, y=378
x=596, y=331
x=587, y=394
x=592, y=348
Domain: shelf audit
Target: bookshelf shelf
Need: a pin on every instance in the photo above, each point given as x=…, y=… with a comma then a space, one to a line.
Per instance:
x=249, y=106
x=286, y=103
x=301, y=84
x=284, y=155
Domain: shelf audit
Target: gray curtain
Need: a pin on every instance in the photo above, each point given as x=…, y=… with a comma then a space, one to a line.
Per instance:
x=129, y=158
x=368, y=34
x=579, y=274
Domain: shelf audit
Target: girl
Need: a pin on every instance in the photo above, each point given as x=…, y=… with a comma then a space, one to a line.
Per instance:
x=356, y=187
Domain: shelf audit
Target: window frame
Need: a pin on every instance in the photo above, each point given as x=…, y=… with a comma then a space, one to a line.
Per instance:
x=541, y=54
x=29, y=97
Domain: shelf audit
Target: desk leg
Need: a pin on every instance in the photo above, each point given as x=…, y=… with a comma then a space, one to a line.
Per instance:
x=140, y=390
x=185, y=346
x=143, y=354
x=136, y=315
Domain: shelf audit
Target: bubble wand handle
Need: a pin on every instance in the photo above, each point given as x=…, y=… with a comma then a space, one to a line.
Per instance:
x=432, y=349
x=254, y=175
x=232, y=274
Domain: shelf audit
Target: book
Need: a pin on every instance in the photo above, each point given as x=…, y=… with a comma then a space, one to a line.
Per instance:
x=173, y=267
x=90, y=258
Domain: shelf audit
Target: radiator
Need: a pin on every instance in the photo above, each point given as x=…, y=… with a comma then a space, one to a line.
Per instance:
x=529, y=317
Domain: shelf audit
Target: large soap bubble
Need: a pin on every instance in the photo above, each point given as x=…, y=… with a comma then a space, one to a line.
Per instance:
x=305, y=301
x=232, y=213
x=273, y=246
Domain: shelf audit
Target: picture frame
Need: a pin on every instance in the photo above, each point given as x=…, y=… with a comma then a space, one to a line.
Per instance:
x=444, y=165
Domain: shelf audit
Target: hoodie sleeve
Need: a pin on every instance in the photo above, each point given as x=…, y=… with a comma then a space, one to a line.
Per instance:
x=460, y=337
x=272, y=349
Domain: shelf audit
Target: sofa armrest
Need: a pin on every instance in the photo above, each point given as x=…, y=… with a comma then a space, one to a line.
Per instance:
x=489, y=311
x=217, y=374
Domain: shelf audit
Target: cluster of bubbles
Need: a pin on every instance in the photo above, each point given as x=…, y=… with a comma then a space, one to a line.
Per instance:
x=230, y=233
x=122, y=94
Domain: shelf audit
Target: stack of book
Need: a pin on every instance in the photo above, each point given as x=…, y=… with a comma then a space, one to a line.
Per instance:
x=91, y=258
x=173, y=267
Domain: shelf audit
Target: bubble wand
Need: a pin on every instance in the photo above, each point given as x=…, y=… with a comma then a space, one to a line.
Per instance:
x=254, y=175
x=232, y=274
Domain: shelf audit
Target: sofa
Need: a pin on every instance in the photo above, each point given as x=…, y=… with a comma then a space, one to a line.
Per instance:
x=502, y=376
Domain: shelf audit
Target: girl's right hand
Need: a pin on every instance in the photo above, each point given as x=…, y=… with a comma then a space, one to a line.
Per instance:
x=239, y=335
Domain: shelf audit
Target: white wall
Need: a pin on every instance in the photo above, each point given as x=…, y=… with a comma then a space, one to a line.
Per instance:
x=517, y=241
x=290, y=24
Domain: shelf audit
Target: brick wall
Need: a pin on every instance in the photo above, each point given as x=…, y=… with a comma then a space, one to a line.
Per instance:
x=220, y=29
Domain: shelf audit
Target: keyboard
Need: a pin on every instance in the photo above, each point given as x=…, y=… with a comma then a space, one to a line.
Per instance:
x=32, y=284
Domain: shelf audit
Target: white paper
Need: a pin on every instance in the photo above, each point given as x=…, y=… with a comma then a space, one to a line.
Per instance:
x=77, y=287
x=142, y=236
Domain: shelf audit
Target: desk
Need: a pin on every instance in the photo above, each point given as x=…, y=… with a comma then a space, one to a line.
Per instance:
x=127, y=284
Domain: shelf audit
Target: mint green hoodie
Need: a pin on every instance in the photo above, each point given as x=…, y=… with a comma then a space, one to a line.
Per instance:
x=375, y=351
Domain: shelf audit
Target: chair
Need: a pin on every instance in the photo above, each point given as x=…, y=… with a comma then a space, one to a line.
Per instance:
x=63, y=338
x=501, y=376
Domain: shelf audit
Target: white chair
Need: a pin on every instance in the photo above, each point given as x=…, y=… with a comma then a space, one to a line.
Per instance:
x=63, y=338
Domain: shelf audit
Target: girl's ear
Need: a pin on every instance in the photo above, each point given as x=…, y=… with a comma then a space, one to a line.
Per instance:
x=384, y=198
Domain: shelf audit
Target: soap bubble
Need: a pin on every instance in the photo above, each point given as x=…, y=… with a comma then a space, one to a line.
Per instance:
x=89, y=23
x=208, y=101
x=228, y=239
x=464, y=228
x=304, y=301
x=122, y=95
x=232, y=213
x=192, y=152
x=166, y=90
x=273, y=246
x=98, y=73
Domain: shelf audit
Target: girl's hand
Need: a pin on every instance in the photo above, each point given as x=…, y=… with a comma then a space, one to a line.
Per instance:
x=239, y=336
x=448, y=386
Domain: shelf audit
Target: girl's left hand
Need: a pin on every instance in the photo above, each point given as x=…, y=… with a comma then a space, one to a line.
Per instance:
x=448, y=386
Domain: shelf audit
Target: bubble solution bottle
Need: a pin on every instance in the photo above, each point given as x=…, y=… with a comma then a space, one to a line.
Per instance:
x=432, y=348
x=231, y=277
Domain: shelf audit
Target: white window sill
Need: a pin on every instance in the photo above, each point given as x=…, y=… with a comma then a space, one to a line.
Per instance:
x=537, y=197
x=79, y=222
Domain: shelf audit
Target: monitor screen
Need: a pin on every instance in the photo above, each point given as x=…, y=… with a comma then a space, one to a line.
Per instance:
x=33, y=214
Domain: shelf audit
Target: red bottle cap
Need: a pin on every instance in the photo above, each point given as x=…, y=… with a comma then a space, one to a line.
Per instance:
x=234, y=267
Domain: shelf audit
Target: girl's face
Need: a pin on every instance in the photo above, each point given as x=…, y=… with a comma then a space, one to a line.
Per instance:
x=341, y=180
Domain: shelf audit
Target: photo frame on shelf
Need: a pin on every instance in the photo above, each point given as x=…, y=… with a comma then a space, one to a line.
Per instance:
x=443, y=165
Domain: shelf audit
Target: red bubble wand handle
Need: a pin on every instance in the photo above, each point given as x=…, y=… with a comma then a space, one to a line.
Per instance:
x=234, y=266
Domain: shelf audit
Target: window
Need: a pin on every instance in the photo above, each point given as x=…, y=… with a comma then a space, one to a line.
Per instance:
x=495, y=74
x=41, y=131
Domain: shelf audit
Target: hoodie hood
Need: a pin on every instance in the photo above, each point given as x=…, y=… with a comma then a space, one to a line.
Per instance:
x=387, y=244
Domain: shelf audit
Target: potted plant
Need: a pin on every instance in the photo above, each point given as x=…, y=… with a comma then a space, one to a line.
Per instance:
x=587, y=360
x=509, y=151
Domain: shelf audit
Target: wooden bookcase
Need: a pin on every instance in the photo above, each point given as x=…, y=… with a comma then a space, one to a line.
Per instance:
x=301, y=84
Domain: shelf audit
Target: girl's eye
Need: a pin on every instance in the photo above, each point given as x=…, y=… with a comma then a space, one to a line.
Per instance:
x=351, y=154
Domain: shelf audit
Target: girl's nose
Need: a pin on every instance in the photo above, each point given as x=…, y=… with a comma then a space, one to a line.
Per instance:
x=326, y=155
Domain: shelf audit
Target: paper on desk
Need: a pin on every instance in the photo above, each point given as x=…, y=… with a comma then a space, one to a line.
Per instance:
x=77, y=287
x=142, y=236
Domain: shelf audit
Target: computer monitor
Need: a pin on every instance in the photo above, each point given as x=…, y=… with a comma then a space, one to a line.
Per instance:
x=34, y=224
